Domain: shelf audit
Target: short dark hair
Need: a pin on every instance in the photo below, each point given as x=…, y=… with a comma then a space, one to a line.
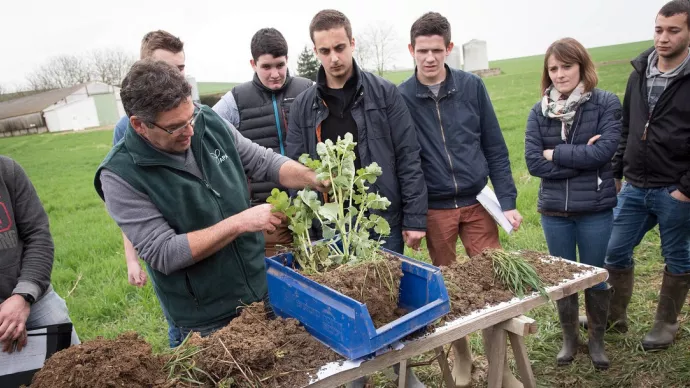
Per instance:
x=152, y=87
x=431, y=23
x=268, y=41
x=159, y=39
x=329, y=19
x=569, y=50
x=676, y=7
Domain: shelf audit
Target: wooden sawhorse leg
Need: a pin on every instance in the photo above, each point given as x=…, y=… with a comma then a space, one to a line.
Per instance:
x=495, y=348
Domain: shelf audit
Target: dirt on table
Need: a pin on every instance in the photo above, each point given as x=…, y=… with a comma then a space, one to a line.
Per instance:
x=550, y=271
x=124, y=362
x=375, y=283
x=256, y=351
x=471, y=284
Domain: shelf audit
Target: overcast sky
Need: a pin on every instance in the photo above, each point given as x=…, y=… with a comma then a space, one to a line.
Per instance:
x=217, y=33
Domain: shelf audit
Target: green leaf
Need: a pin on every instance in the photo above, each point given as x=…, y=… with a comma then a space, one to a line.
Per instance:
x=321, y=148
x=279, y=200
x=310, y=199
x=377, y=202
x=329, y=211
x=328, y=232
x=340, y=181
x=370, y=172
x=382, y=227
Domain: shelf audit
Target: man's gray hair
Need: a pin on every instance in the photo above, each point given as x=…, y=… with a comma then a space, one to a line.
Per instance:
x=152, y=87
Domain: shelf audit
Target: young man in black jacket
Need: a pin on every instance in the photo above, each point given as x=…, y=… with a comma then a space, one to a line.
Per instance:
x=260, y=108
x=654, y=157
x=347, y=99
x=461, y=148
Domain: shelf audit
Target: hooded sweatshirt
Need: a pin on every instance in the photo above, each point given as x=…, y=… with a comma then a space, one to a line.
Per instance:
x=26, y=247
x=657, y=81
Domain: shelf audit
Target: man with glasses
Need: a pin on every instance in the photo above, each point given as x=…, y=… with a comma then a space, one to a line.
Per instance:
x=176, y=186
x=164, y=46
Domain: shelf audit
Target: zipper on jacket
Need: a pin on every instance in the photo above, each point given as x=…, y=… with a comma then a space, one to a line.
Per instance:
x=208, y=186
x=278, y=127
x=646, y=126
x=598, y=185
x=445, y=147
x=233, y=245
x=189, y=289
x=567, y=180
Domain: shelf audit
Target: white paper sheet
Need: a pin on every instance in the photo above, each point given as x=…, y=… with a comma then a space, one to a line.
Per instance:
x=489, y=200
x=32, y=356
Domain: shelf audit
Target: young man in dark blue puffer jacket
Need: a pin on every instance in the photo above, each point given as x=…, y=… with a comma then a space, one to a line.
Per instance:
x=572, y=134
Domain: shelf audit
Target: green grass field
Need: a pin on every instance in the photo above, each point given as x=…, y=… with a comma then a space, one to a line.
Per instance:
x=214, y=87
x=90, y=272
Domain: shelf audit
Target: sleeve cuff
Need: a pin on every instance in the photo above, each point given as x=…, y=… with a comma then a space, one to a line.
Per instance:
x=507, y=204
x=27, y=287
x=414, y=222
x=556, y=155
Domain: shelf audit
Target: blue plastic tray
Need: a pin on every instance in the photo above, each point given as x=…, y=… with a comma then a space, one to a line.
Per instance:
x=343, y=323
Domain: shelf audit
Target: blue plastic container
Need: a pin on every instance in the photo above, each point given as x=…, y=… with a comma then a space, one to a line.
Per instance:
x=343, y=323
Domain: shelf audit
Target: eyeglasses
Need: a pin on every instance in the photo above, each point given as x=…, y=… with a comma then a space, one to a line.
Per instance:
x=192, y=121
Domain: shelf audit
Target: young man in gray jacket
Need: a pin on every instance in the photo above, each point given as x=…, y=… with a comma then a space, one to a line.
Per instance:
x=27, y=299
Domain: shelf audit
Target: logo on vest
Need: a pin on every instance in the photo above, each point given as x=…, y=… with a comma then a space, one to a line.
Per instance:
x=217, y=156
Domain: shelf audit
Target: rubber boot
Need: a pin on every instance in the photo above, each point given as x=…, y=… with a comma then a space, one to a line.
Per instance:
x=462, y=363
x=674, y=289
x=567, y=314
x=622, y=281
x=597, y=307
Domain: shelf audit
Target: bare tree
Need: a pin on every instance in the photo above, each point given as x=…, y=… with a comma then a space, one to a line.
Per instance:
x=376, y=46
x=363, y=52
x=106, y=65
x=60, y=72
x=110, y=66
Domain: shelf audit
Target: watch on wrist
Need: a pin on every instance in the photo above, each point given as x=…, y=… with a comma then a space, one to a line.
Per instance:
x=28, y=298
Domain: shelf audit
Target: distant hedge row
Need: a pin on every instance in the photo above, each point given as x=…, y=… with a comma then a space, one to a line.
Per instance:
x=210, y=99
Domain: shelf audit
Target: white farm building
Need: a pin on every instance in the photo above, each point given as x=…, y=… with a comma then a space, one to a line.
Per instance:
x=78, y=107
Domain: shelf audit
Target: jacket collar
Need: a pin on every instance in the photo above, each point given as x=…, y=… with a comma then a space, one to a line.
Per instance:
x=642, y=61
x=448, y=87
x=321, y=82
x=257, y=83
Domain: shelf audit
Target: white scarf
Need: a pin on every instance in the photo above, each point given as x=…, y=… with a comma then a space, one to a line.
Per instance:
x=556, y=106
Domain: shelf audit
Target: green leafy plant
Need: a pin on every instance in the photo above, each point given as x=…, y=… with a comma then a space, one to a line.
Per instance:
x=347, y=219
x=518, y=275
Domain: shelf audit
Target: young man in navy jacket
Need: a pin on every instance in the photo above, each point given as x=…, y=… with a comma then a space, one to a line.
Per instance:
x=461, y=148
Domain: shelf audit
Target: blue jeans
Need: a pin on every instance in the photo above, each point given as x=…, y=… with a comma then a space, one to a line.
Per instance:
x=394, y=241
x=182, y=332
x=640, y=210
x=51, y=309
x=173, y=332
x=589, y=233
